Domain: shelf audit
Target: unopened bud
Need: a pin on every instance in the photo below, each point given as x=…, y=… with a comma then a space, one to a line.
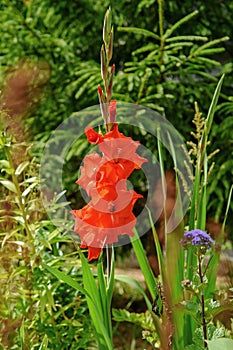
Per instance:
x=100, y=92
x=103, y=61
x=107, y=26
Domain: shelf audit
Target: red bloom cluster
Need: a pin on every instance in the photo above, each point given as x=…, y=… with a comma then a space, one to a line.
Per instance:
x=104, y=178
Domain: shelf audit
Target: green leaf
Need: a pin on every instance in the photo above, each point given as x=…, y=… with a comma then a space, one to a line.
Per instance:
x=89, y=282
x=21, y=167
x=110, y=285
x=141, y=31
x=29, y=180
x=220, y=344
x=144, y=264
x=92, y=298
x=28, y=189
x=44, y=344
x=179, y=23
x=186, y=38
x=97, y=312
x=227, y=209
x=102, y=291
x=4, y=164
x=200, y=49
x=65, y=278
x=210, y=115
x=157, y=244
x=9, y=185
x=144, y=320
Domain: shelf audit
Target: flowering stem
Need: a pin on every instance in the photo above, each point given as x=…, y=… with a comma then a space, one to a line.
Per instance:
x=106, y=73
x=20, y=200
x=202, y=302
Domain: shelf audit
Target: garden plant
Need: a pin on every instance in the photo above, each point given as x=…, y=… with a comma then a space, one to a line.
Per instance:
x=78, y=189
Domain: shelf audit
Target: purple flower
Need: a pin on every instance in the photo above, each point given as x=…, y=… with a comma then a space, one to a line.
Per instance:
x=198, y=238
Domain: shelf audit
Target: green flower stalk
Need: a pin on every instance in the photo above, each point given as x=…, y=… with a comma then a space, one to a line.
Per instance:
x=199, y=241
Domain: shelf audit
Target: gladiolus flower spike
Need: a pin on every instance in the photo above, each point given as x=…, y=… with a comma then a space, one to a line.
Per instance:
x=109, y=214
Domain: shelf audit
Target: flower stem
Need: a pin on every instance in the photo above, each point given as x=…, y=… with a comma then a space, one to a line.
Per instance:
x=202, y=303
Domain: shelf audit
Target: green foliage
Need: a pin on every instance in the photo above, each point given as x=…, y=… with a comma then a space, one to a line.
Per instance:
x=59, y=35
x=35, y=307
x=143, y=320
x=170, y=54
x=167, y=68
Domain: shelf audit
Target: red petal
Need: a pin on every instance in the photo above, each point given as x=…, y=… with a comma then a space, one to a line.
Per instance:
x=93, y=136
x=93, y=253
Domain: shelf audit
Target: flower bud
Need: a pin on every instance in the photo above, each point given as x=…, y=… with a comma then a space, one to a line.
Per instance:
x=103, y=61
x=107, y=26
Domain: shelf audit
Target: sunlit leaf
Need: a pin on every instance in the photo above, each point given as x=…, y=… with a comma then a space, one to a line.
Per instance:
x=9, y=185
x=220, y=344
x=21, y=167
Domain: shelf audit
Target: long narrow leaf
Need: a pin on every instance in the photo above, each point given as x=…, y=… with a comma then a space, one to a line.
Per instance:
x=187, y=38
x=89, y=282
x=95, y=306
x=157, y=244
x=214, y=263
x=179, y=23
x=67, y=279
x=213, y=105
x=103, y=297
x=110, y=285
x=227, y=209
x=44, y=344
x=144, y=264
x=200, y=49
x=141, y=31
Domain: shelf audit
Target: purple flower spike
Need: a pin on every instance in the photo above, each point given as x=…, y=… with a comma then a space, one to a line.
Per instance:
x=198, y=238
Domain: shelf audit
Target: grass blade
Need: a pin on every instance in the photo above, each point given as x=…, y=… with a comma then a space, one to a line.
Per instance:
x=144, y=264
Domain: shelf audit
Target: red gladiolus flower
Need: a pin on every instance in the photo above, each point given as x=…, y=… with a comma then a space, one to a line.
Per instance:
x=102, y=223
x=99, y=177
x=109, y=214
x=89, y=171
